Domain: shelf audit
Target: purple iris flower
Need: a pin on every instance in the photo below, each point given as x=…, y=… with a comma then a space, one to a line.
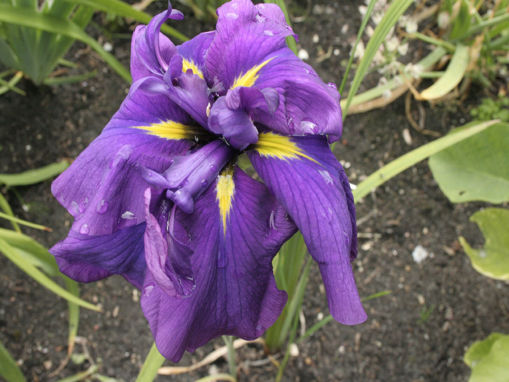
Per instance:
x=159, y=198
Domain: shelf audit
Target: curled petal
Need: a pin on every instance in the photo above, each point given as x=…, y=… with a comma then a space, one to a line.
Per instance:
x=306, y=178
x=86, y=258
x=237, y=227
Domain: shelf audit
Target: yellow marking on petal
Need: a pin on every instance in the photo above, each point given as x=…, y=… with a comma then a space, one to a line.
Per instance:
x=249, y=78
x=279, y=146
x=171, y=130
x=224, y=194
x=190, y=65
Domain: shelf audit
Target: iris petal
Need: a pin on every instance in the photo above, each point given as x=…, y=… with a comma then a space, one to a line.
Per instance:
x=230, y=297
x=316, y=194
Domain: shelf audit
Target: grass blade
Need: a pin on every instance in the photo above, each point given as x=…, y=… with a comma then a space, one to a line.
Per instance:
x=74, y=313
x=34, y=19
x=12, y=254
x=364, y=22
x=391, y=17
x=405, y=161
x=4, y=205
x=69, y=79
x=9, y=370
x=452, y=76
x=30, y=177
x=24, y=222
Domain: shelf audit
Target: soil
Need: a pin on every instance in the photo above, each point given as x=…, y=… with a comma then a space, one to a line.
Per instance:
x=419, y=332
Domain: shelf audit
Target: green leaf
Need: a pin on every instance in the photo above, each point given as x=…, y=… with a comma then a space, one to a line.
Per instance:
x=12, y=254
x=475, y=169
x=8, y=367
x=391, y=17
x=4, y=205
x=34, y=176
x=34, y=19
x=493, y=259
x=24, y=222
x=452, y=77
x=405, y=161
x=32, y=251
x=461, y=23
x=488, y=359
x=125, y=10
x=74, y=313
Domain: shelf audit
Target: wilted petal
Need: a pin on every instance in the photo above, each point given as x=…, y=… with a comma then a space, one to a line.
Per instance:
x=86, y=258
x=235, y=231
x=306, y=178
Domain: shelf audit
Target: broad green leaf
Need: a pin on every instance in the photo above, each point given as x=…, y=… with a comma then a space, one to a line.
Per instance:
x=493, y=259
x=8, y=367
x=391, y=17
x=123, y=9
x=475, y=169
x=405, y=161
x=452, y=76
x=34, y=19
x=488, y=359
x=461, y=23
x=29, y=177
x=12, y=254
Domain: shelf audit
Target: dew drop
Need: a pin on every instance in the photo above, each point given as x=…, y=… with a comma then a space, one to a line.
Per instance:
x=128, y=215
x=232, y=15
x=122, y=155
x=260, y=19
x=268, y=32
x=102, y=207
x=83, y=205
x=272, y=223
x=204, y=183
x=148, y=290
x=332, y=85
x=85, y=229
x=75, y=208
x=308, y=127
x=326, y=176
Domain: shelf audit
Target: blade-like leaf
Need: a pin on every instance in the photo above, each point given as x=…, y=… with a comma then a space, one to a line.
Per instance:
x=405, y=161
x=12, y=254
x=74, y=313
x=33, y=19
x=151, y=365
x=452, y=76
x=34, y=252
x=391, y=17
x=29, y=177
x=9, y=369
x=493, y=259
x=475, y=169
x=24, y=222
x=4, y=205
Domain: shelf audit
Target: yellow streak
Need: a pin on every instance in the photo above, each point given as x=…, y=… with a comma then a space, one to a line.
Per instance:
x=279, y=146
x=224, y=194
x=190, y=65
x=171, y=130
x=249, y=78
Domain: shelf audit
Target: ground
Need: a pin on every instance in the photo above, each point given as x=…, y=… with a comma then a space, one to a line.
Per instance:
x=419, y=332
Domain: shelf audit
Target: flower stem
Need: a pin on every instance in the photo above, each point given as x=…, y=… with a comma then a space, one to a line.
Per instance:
x=151, y=365
x=228, y=340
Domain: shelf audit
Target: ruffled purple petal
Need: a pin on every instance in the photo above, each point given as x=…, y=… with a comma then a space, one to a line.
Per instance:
x=235, y=290
x=86, y=258
x=151, y=51
x=315, y=192
x=195, y=49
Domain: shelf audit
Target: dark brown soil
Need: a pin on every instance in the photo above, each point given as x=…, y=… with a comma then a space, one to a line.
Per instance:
x=418, y=333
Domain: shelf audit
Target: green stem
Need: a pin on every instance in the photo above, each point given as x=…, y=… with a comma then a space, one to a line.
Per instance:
x=228, y=340
x=433, y=41
x=151, y=365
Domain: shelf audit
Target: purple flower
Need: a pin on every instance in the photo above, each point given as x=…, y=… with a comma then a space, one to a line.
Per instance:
x=158, y=196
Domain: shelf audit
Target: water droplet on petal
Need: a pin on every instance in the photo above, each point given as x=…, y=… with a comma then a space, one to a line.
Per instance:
x=75, y=208
x=272, y=223
x=308, y=127
x=128, y=215
x=204, y=183
x=83, y=205
x=260, y=19
x=102, y=207
x=326, y=176
x=148, y=289
x=232, y=15
x=85, y=229
x=122, y=155
x=332, y=85
x=268, y=32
